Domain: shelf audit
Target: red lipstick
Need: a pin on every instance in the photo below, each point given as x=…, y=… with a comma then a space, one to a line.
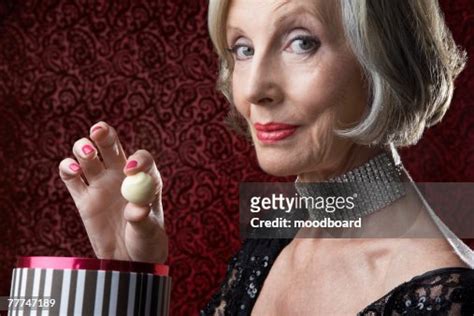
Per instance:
x=271, y=133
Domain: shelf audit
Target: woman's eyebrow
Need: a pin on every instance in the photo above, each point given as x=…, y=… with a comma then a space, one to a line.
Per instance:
x=285, y=18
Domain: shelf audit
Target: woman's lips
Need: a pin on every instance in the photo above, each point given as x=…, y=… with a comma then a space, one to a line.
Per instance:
x=273, y=132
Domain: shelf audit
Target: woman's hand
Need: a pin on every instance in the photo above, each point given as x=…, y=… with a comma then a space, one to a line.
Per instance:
x=116, y=228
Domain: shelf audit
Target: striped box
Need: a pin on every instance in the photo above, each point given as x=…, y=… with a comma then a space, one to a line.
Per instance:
x=86, y=286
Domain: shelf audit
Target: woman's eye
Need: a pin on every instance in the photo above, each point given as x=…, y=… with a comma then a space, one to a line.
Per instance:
x=298, y=45
x=304, y=44
x=241, y=51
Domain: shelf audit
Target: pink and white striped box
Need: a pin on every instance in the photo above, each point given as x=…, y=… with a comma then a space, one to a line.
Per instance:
x=88, y=286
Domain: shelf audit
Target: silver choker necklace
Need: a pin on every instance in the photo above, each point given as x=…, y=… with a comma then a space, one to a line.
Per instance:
x=372, y=186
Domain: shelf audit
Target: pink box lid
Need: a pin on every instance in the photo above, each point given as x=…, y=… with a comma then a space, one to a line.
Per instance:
x=90, y=264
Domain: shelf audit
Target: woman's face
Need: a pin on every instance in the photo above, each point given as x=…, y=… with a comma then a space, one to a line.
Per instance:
x=294, y=80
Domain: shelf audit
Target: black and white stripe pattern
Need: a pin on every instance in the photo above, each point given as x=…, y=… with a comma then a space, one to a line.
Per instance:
x=92, y=292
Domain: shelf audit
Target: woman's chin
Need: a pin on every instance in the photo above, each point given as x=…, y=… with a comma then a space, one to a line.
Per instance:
x=277, y=168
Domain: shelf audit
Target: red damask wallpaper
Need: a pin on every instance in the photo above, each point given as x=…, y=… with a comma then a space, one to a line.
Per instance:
x=147, y=68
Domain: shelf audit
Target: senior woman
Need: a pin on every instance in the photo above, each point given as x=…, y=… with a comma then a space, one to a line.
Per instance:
x=349, y=81
x=346, y=82
x=326, y=90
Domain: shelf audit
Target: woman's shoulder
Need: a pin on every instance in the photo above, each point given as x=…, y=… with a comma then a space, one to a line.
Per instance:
x=444, y=291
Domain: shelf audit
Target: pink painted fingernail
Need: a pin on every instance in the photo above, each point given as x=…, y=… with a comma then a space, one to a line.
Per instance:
x=87, y=149
x=96, y=128
x=74, y=167
x=131, y=164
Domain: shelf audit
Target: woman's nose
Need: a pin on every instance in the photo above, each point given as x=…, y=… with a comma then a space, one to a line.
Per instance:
x=263, y=86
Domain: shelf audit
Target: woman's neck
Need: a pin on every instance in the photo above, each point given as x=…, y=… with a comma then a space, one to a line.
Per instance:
x=354, y=157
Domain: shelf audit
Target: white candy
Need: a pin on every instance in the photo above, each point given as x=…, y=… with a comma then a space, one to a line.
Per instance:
x=138, y=188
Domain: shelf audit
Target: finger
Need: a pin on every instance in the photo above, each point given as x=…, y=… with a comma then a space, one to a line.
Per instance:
x=142, y=161
x=147, y=240
x=70, y=174
x=145, y=226
x=146, y=222
x=136, y=213
x=106, y=139
x=86, y=154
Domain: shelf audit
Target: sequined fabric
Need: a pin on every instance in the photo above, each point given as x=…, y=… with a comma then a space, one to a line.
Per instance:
x=245, y=275
x=447, y=291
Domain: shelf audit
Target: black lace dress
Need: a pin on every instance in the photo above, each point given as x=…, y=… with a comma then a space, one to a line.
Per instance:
x=447, y=291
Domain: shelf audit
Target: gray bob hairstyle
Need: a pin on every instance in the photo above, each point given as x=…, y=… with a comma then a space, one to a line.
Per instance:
x=408, y=57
